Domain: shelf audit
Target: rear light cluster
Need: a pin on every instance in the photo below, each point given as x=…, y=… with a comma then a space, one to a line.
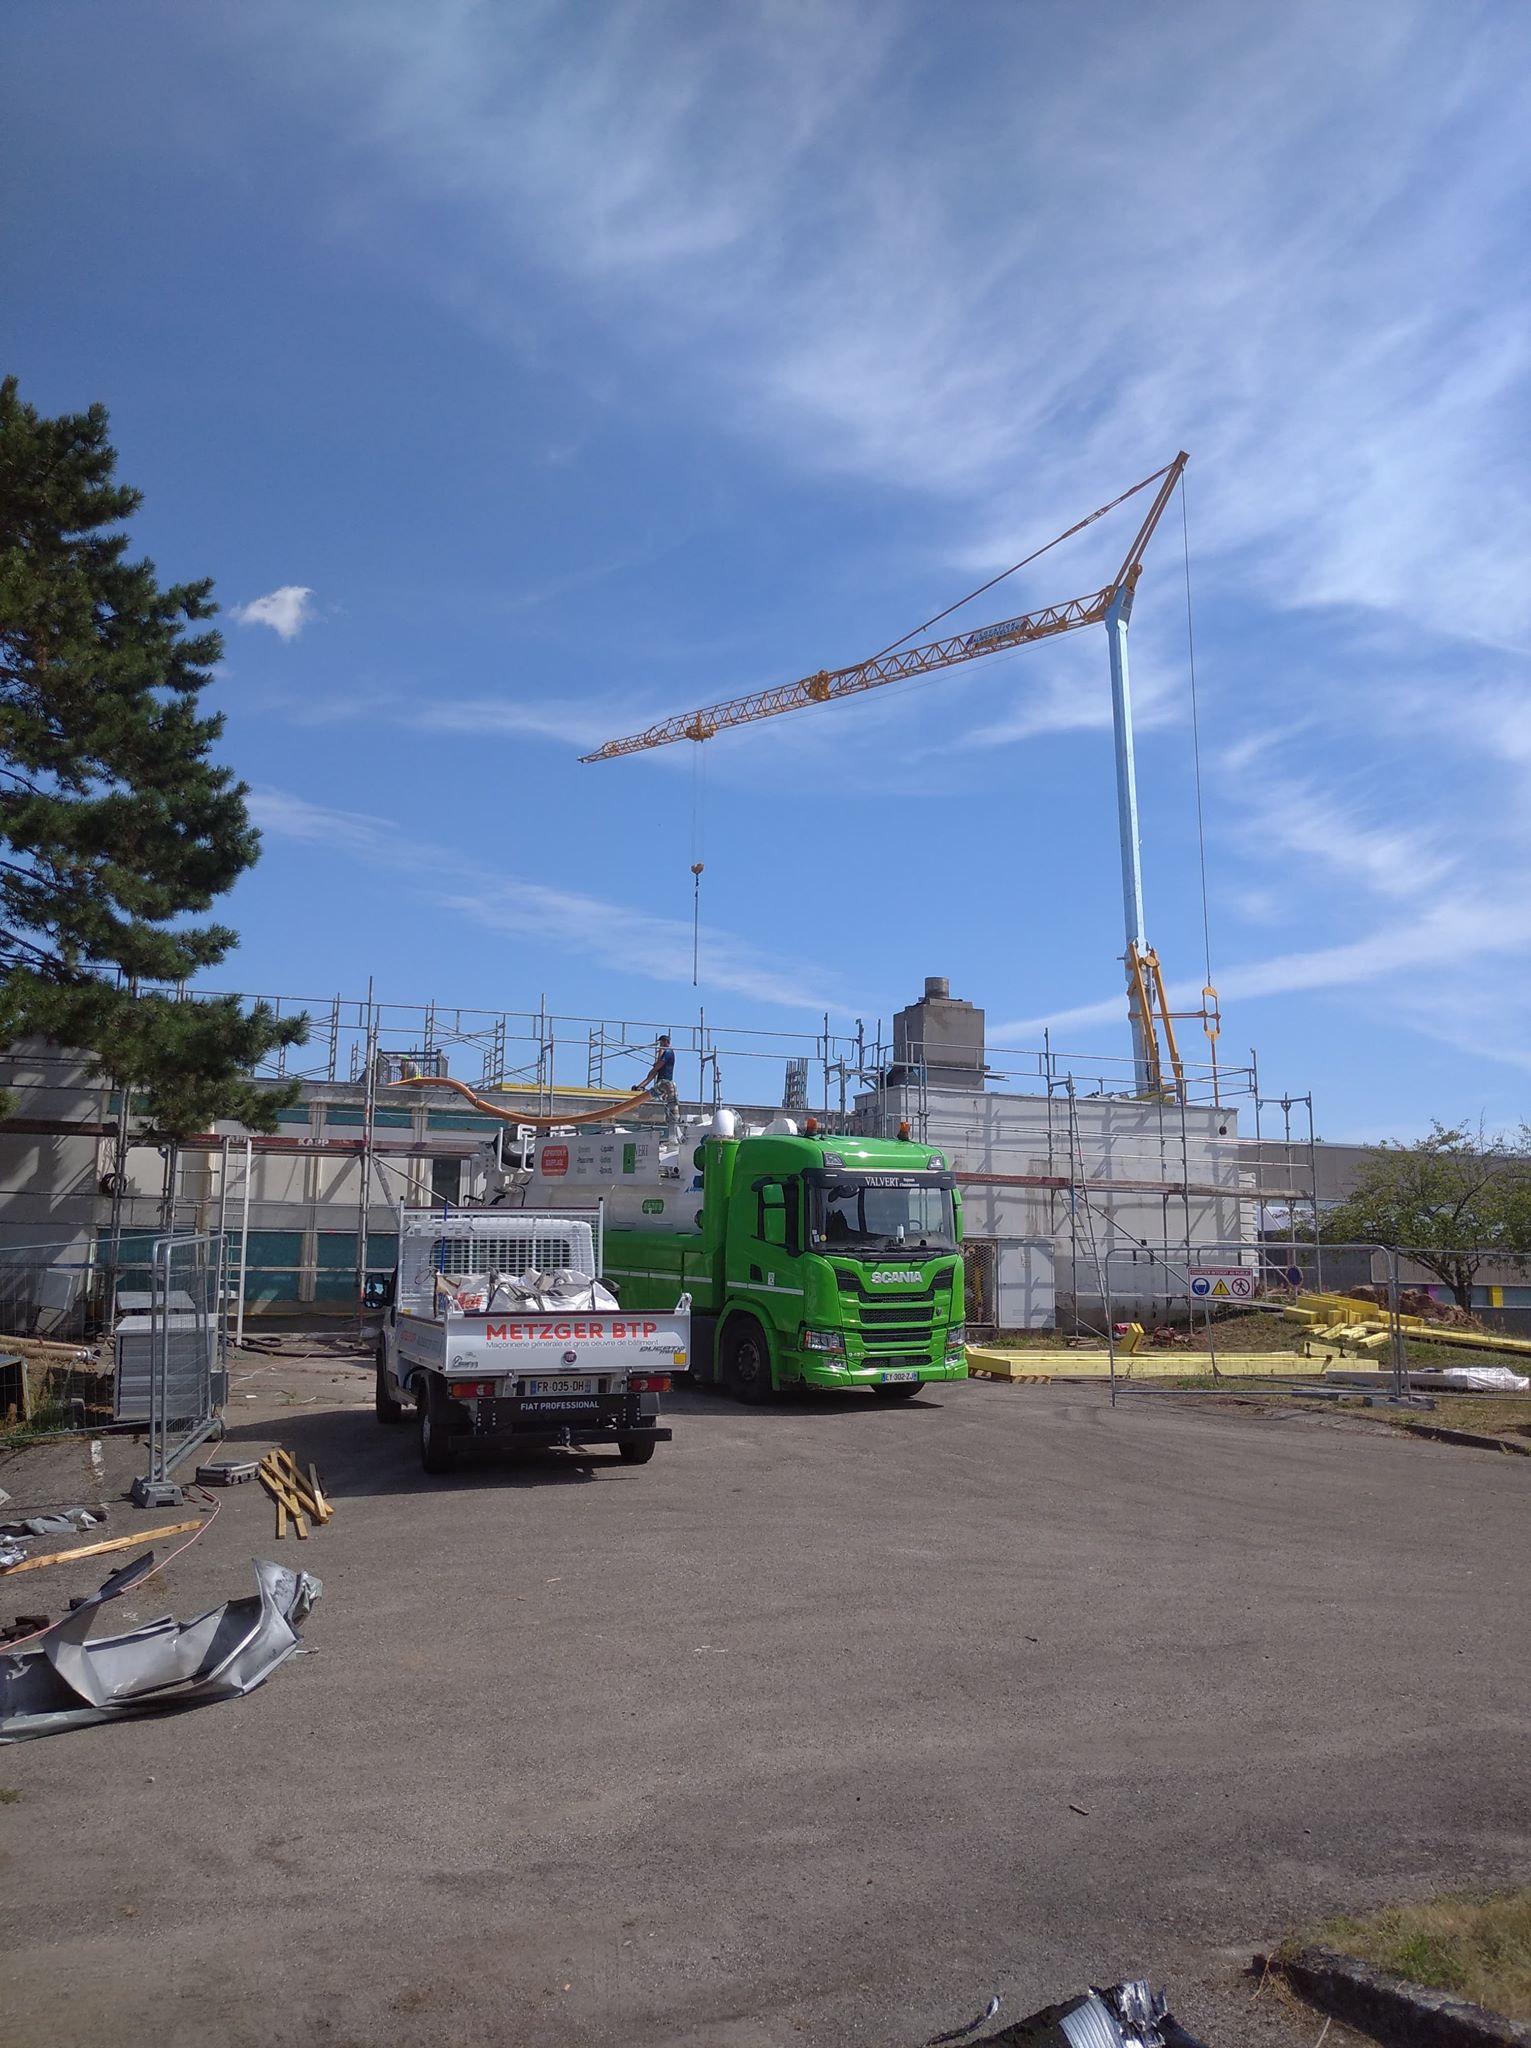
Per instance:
x=471, y=1390
x=650, y=1383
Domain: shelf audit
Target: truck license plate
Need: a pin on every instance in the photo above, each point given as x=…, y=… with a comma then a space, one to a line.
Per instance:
x=890, y=1378
x=560, y=1386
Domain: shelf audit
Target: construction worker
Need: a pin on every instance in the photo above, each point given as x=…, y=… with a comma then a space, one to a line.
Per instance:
x=660, y=1083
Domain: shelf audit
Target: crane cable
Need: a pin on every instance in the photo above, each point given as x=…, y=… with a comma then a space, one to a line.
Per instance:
x=1035, y=555
x=698, y=835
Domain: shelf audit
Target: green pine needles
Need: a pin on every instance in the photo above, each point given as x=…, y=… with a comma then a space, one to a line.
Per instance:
x=117, y=827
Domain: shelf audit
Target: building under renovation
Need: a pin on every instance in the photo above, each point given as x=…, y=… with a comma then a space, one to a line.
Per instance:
x=1082, y=1197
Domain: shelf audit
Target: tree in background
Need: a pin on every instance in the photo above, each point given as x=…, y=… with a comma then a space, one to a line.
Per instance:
x=1452, y=1200
x=116, y=826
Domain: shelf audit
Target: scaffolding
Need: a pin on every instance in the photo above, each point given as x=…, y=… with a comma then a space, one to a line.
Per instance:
x=1048, y=1127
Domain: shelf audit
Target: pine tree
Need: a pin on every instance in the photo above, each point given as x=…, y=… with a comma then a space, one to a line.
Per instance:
x=117, y=828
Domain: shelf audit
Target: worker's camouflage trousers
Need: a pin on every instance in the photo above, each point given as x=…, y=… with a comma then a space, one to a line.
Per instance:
x=664, y=1094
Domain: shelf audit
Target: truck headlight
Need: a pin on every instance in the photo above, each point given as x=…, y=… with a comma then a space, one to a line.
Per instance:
x=956, y=1337
x=820, y=1340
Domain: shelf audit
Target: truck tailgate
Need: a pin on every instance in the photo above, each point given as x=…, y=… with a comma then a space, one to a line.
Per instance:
x=594, y=1342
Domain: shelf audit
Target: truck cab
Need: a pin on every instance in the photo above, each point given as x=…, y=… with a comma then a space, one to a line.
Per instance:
x=845, y=1256
x=828, y=1262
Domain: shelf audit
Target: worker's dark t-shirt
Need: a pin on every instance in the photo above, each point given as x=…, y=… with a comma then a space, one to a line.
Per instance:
x=665, y=1071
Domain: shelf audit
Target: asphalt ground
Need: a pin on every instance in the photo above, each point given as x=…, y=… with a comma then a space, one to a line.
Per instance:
x=825, y=1726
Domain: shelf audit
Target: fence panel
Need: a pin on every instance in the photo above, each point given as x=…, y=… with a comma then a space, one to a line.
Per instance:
x=89, y=1343
x=167, y=1355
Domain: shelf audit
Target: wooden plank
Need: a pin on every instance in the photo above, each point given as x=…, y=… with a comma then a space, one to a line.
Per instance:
x=33, y=1564
x=319, y=1494
x=281, y=1518
x=277, y=1486
x=289, y=1506
x=312, y=1499
x=298, y=1495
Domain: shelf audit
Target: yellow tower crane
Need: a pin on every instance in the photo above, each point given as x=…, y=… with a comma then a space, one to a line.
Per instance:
x=1158, y=1067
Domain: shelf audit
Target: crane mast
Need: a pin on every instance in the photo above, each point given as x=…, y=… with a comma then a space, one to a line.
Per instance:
x=1158, y=1068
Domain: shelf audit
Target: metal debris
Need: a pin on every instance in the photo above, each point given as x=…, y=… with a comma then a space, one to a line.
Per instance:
x=64, y=1680
x=62, y=1522
x=960, y=2033
x=1128, y=2015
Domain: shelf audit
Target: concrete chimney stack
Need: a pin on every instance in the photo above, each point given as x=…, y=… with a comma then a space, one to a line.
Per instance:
x=942, y=1034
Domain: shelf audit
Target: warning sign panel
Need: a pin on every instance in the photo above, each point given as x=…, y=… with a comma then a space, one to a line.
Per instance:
x=1223, y=1283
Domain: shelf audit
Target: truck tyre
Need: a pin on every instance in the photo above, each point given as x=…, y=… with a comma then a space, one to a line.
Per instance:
x=438, y=1453
x=636, y=1453
x=904, y=1391
x=747, y=1362
x=388, y=1409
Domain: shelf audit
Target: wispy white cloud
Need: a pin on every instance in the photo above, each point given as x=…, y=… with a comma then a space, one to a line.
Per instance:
x=1010, y=313
x=1441, y=965
x=286, y=610
x=658, y=948
x=574, y=723
x=1310, y=273
x=1331, y=827
x=561, y=920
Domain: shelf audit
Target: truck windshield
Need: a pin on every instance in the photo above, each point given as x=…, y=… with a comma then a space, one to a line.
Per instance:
x=857, y=1215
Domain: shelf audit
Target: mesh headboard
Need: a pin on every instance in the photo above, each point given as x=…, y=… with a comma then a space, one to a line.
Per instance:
x=525, y=1243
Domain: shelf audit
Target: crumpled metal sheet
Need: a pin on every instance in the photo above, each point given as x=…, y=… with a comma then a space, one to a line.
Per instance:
x=66, y=1679
x=1128, y=2015
x=66, y=1522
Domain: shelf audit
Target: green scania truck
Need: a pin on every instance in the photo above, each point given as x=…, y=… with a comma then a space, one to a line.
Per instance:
x=820, y=1260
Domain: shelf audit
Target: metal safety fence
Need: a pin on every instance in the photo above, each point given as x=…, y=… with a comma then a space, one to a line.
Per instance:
x=169, y=1349
x=133, y=1341
x=1404, y=1316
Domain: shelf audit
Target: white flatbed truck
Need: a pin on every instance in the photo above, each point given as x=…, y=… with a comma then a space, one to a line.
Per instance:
x=498, y=1332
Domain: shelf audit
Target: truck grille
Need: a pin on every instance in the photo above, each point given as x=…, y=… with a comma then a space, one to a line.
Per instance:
x=907, y=1314
x=899, y=1339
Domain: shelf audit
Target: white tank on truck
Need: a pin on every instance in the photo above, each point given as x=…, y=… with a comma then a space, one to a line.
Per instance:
x=644, y=1181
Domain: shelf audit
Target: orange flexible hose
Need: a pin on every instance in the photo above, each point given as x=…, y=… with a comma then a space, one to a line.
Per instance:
x=522, y=1116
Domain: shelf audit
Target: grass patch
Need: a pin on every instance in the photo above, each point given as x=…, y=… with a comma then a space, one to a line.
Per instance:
x=1483, y=1417
x=1476, y=1947
x=9, y=1796
x=47, y=1420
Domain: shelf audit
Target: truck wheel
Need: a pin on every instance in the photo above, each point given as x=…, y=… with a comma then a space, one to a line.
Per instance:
x=904, y=1391
x=636, y=1453
x=388, y=1409
x=747, y=1362
x=438, y=1453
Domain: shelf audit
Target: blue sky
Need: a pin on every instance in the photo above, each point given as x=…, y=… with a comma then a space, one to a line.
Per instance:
x=526, y=372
